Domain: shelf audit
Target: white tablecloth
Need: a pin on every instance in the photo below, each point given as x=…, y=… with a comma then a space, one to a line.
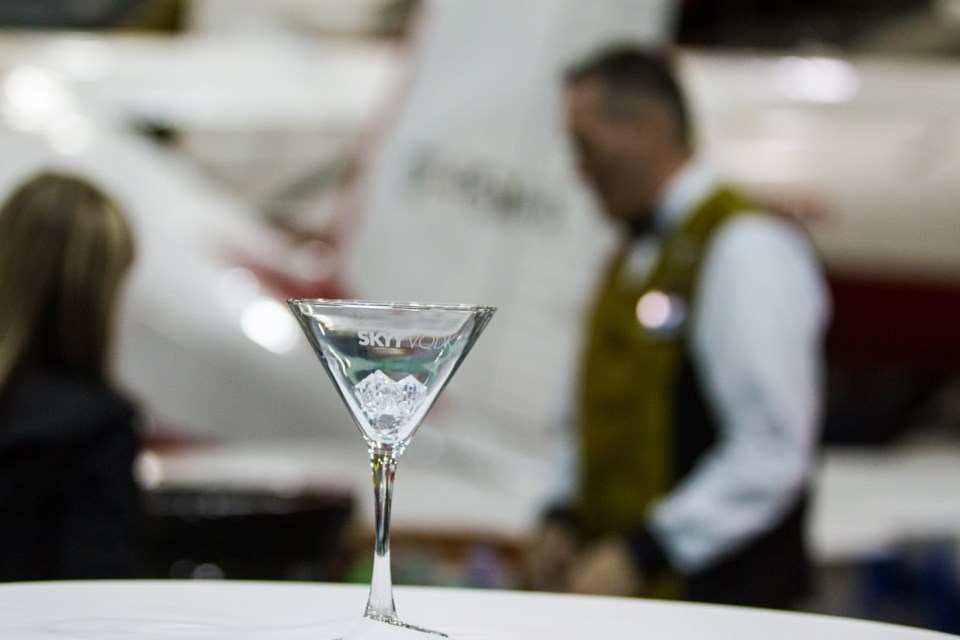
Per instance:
x=174, y=610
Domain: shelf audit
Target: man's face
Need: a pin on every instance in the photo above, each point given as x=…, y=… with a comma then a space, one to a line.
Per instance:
x=613, y=155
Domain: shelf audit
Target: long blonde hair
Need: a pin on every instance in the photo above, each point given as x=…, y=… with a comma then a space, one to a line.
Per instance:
x=64, y=249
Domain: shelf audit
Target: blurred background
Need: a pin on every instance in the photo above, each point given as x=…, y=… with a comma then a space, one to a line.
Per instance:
x=395, y=149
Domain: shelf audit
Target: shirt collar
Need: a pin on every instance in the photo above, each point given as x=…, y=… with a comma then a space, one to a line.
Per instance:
x=690, y=186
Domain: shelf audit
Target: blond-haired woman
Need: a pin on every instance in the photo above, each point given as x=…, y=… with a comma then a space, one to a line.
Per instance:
x=68, y=502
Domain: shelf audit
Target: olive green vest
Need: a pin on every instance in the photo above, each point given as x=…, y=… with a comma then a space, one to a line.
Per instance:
x=628, y=379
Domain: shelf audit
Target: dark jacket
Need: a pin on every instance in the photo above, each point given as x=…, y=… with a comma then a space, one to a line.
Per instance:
x=69, y=504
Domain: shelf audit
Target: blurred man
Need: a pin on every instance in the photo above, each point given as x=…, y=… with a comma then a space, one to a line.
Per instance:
x=699, y=394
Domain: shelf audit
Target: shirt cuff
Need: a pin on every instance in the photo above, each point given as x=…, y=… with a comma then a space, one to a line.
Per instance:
x=647, y=553
x=561, y=514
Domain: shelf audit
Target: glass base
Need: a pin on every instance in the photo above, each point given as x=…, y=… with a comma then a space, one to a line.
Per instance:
x=368, y=627
x=397, y=623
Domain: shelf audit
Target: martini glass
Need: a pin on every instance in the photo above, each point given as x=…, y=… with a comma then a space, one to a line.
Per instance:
x=389, y=361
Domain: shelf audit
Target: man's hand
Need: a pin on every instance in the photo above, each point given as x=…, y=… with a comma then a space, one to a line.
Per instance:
x=552, y=549
x=605, y=568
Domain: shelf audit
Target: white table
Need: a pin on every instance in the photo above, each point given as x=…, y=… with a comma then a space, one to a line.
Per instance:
x=300, y=611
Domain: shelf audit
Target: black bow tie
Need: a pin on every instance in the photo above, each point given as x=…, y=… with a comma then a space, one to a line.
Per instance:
x=641, y=224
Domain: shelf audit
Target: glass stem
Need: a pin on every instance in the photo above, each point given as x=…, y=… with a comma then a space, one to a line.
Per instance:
x=383, y=461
